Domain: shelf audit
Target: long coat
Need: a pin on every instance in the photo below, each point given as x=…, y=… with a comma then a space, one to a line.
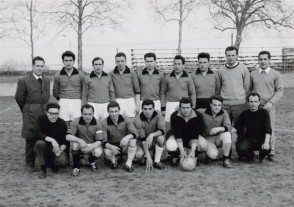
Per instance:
x=32, y=99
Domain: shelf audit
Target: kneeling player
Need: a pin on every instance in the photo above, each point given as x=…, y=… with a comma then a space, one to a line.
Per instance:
x=151, y=127
x=85, y=133
x=119, y=136
x=216, y=132
x=186, y=126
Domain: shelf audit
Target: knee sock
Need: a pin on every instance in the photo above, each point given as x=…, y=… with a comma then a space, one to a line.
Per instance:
x=158, y=153
x=226, y=149
x=131, y=155
x=76, y=159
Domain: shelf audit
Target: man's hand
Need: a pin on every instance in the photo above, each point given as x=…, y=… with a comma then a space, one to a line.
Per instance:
x=56, y=149
x=114, y=149
x=124, y=141
x=265, y=146
x=183, y=155
x=215, y=130
x=268, y=105
x=191, y=154
x=149, y=141
x=149, y=163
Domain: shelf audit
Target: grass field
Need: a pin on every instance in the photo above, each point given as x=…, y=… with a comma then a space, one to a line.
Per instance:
x=267, y=184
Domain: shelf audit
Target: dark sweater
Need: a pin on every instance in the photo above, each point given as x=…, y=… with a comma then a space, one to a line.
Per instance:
x=254, y=125
x=55, y=130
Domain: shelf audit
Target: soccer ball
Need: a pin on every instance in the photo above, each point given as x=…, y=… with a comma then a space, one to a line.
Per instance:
x=188, y=163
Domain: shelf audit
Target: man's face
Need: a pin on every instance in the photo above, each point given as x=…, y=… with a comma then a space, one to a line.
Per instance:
x=114, y=113
x=148, y=111
x=264, y=61
x=216, y=106
x=121, y=63
x=178, y=66
x=231, y=56
x=88, y=115
x=253, y=103
x=185, y=109
x=150, y=63
x=203, y=64
x=98, y=66
x=68, y=62
x=52, y=114
x=38, y=67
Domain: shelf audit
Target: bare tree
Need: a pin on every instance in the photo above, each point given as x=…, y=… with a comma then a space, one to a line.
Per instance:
x=178, y=11
x=241, y=14
x=4, y=19
x=28, y=24
x=82, y=15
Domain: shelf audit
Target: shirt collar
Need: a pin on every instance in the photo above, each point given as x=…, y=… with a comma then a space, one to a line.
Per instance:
x=209, y=71
x=93, y=74
x=127, y=70
x=183, y=75
x=37, y=77
x=231, y=67
x=143, y=117
x=266, y=70
x=120, y=119
x=82, y=121
x=192, y=115
x=74, y=72
x=145, y=71
x=209, y=112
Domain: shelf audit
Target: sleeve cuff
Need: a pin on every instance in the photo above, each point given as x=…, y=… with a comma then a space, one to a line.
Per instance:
x=162, y=132
x=134, y=135
x=143, y=139
x=226, y=128
x=163, y=108
x=103, y=144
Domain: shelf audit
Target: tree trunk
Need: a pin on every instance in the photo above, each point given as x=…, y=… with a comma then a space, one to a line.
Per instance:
x=31, y=30
x=180, y=28
x=238, y=37
x=80, y=36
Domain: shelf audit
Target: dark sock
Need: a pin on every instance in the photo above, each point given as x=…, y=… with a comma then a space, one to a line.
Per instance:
x=76, y=159
x=43, y=168
x=91, y=159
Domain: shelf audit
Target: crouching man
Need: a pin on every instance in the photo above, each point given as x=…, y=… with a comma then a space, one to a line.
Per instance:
x=151, y=127
x=254, y=130
x=119, y=137
x=186, y=126
x=51, y=146
x=216, y=131
x=85, y=133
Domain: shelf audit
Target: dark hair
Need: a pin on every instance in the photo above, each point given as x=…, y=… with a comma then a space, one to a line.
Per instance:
x=97, y=58
x=148, y=102
x=150, y=55
x=179, y=57
x=203, y=55
x=68, y=54
x=121, y=54
x=215, y=97
x=112, y=104
x=186, y=100
x=37, y=58
x=265, y=53
x=253, y=94
x=52, y=105
x=87, y=106
x=231, y=48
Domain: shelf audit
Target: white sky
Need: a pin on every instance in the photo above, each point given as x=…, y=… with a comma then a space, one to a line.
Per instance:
x=141, y=31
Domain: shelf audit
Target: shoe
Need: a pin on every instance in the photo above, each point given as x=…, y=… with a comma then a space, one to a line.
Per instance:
x=120, y=160
x=113, y=165
x=129, y=168
x=42, y=174
x=54, y=170
x=158, y=165
x=94, y=167
x=31, y=169
x=174, y=161
x=261, y=156
x=226, y=163
x=271, y=158
x=75, y=172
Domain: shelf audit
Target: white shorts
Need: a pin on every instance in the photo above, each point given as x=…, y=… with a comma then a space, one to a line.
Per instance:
x=157, y=105
x=69, y=109
x=127, y=106
x=100, y=110
x=169, y=109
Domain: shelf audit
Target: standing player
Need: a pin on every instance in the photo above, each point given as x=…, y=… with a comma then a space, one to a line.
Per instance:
x=85, y=133
x=254, y=130
x=119, y=136
x=150, y=80
x=32, y=95
x=269, y=84
x=204, y=80
x=98, y=89
x=233, y=82
x=175, y=86
x=126, y=86
x=151, y=128
x=216, y=131
x=67, y=88
x=186, y=125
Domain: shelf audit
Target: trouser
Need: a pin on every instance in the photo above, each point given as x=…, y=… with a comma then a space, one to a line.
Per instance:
x=30, y=153
x=234, y=111
x=202, y=103
x=47, y=157
x=246, y=148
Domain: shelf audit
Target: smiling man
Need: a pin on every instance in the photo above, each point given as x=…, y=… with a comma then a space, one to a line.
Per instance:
x=269, y=84
x=254, y=130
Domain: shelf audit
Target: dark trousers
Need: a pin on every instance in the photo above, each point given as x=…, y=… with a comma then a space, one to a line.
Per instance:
x=246, y=148
x=76, y=157
x=30, y=153
x=202, y=103
x=47, y=157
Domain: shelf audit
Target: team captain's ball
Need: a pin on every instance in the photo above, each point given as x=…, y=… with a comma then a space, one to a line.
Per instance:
x=188, y=163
